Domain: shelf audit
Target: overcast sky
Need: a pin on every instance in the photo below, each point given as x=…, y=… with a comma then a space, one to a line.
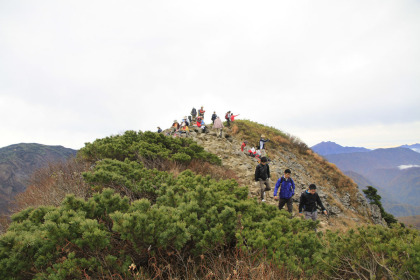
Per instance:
x=342, y=71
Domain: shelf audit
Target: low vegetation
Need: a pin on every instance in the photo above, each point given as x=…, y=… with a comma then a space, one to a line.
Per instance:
x=137, y=219
x=324, y=172
x=374, y=198
x=252, y=131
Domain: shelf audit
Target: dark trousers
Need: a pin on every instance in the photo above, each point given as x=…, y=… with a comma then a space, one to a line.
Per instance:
x=289, y=201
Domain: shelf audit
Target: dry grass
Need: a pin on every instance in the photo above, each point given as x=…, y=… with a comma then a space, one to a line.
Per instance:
x=233, y=264
x=49, y=185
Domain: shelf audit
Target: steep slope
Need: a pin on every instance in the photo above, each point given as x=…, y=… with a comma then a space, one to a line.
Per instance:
x=19, y=161
x=339, y=193
x=159, y=207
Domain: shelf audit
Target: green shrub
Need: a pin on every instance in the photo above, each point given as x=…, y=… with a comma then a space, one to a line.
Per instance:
x=192, y=214
x=145, y=146
x=145, y=216
x=373, y=252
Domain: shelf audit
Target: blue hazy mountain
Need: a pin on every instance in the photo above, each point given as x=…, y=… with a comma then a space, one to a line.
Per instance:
x=331, y=148
x=395, y=172
x=414, y=147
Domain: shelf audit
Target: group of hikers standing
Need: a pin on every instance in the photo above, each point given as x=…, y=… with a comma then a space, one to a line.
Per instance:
x=196, y=119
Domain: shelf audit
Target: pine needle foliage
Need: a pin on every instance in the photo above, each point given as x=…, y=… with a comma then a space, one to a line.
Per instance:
x=148, y=224
x=139, y=146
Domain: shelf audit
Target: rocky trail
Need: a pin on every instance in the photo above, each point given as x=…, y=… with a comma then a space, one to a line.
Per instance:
x=228, y=148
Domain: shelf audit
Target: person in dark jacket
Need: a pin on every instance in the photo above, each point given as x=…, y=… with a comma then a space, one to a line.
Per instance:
x=227, y=117
x=287, y=190
x=309, y=200
x=262, y=175
x=213, y=117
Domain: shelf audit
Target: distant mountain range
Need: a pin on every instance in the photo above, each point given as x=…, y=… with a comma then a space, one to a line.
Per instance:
x=19, y=161
x=414, y=147
x=411, y=220
x=331, y=148
x=395, y=172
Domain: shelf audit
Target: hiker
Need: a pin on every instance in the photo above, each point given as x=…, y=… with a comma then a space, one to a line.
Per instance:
x=159, y=129
x=184, y=129
x=262, y=175
x=227, y=117
x=193, y=114
x=243, y=145
x=287, y=190
x=263, y=141
x=252, y=152
x=185, y=120
x=201, y=112
x=217, y=124
x=308, y=203
x=175, y=127
x=232, y=117
x=213, y=117
x=201, y=124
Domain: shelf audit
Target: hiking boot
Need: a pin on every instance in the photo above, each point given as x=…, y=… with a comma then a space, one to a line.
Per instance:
x=263, y=200
x=267, y=189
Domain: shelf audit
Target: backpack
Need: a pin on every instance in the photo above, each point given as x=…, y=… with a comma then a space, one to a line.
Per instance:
x=193, y=112
x=227, y=116
x=281, y=181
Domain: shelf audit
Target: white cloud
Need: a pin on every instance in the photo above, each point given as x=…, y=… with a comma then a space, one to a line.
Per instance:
x=408, y=166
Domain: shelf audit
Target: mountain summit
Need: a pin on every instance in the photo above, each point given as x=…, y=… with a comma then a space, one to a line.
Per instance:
x=331, y=148
x=144, y=205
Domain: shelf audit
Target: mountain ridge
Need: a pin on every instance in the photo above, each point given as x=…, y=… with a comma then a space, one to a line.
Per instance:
x=328, y=147
x=381, y=168
x=19, y=161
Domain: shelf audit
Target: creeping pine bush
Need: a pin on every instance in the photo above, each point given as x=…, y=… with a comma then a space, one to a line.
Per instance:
x=143, y=218
x=373, y=252
x=146, y=146
x=102, y=236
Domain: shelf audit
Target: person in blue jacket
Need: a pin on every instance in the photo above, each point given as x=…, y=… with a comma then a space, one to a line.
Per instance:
x=287, y=190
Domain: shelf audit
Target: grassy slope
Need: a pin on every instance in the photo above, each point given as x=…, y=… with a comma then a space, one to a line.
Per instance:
x=319, y=170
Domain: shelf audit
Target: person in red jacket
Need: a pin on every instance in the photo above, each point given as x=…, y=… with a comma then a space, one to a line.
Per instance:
x=201, y=124
x=243, y=145
x=201, y=112
x=232, y=117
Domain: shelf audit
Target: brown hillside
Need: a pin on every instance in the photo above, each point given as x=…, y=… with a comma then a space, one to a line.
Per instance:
x=411, y=221
x=338, y=192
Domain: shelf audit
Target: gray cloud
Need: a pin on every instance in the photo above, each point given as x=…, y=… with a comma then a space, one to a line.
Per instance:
x=75, y=71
